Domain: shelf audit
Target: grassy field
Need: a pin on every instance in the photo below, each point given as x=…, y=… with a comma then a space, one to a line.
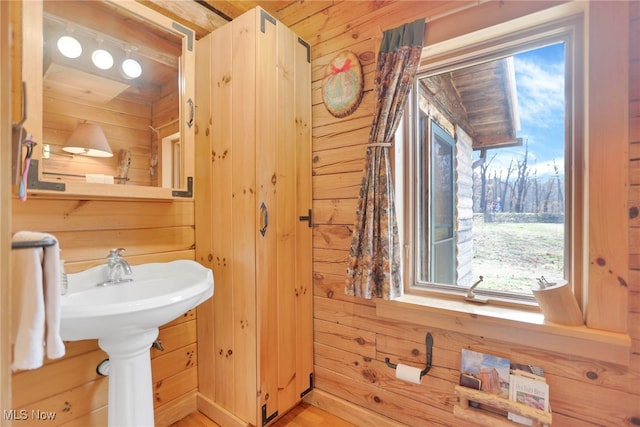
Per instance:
x=510, y=256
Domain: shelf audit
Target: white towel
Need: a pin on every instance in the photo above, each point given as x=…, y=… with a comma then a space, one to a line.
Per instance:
x=35, y=288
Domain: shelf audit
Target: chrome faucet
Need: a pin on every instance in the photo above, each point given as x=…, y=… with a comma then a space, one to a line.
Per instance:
x=116, y=267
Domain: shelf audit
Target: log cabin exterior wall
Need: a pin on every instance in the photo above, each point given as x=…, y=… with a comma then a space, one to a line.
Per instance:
x=351, y=341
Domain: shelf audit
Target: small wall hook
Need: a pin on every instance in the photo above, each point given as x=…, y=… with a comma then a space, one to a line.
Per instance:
x=429, y=345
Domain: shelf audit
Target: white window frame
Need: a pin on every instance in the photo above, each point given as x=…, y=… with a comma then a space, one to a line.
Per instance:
x=449, y=56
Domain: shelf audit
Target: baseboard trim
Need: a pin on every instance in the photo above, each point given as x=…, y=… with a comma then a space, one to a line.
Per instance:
x=176, y=410
x=348, y=411
x=217, y=413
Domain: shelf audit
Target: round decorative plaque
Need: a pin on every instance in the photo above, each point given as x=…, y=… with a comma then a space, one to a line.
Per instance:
x=342, y=85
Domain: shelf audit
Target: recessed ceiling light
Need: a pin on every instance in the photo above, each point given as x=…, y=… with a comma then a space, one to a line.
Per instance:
x=69, y=47
x=131, y=68
x=102, y=59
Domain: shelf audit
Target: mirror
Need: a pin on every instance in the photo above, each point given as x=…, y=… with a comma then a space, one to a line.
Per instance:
x=146, y=116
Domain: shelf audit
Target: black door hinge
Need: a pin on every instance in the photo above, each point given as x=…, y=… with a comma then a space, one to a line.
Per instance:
x=307, y=218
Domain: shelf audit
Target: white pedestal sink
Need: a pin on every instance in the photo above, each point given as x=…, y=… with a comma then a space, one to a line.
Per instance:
x=125, y=318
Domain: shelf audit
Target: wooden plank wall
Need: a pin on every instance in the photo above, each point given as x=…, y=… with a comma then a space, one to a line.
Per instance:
x=125, y=123
x=150, y=231
x=634, y=176
x=351, y=342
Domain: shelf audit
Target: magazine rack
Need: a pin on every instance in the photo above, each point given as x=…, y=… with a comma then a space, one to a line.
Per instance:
x=482, y=417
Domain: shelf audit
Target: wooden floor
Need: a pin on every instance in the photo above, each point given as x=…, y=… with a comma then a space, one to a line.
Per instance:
x=303, y=415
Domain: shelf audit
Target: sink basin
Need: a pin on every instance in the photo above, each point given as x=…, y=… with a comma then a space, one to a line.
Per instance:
x=125, y=317
x=159, y=293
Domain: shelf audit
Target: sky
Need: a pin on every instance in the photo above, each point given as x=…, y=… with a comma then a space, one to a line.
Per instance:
x=539, y=78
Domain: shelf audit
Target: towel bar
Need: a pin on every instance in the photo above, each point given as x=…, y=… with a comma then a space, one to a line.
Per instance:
x=33, y=244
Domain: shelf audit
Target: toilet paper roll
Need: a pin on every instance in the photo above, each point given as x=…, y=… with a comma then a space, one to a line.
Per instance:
x=95, y=178
x=408, y=373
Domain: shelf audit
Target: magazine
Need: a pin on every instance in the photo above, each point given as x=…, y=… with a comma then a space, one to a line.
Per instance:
x=490, y=373
x=529, y=389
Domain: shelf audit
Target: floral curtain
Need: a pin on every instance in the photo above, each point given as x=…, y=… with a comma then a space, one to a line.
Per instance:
x=374, y=258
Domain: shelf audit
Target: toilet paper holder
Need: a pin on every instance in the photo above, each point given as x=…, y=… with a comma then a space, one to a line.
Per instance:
x=429, y=345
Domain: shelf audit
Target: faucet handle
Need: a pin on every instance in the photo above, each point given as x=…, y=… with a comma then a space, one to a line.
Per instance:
x=114, y=253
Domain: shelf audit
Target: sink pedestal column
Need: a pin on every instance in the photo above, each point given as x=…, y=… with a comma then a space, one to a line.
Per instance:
x=130, y=387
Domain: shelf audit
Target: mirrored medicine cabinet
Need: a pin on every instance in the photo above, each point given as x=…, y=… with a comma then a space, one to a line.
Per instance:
x=128, y=78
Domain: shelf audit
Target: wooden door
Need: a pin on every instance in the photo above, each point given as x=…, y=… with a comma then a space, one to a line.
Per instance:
x=283, y=155
x=253, y=185
x=271, y=212
x=226, y=221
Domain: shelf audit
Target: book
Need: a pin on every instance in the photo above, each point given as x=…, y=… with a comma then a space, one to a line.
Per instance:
x=530, y=389
x=489, y=372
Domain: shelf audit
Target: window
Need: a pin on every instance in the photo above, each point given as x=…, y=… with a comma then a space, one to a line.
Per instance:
x=486, y=165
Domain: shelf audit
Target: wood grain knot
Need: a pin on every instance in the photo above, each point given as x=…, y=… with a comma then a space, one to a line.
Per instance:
x=377, y=399
x=360, y=341
x=592, y=375
x=601, y=261
x=367, y=56
x=633, y=212
x=635, y=421
x=415, y=352
x=369, y=375
x=225, y=79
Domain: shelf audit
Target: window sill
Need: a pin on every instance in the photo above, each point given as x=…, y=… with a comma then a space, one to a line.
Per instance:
x=511, y=325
